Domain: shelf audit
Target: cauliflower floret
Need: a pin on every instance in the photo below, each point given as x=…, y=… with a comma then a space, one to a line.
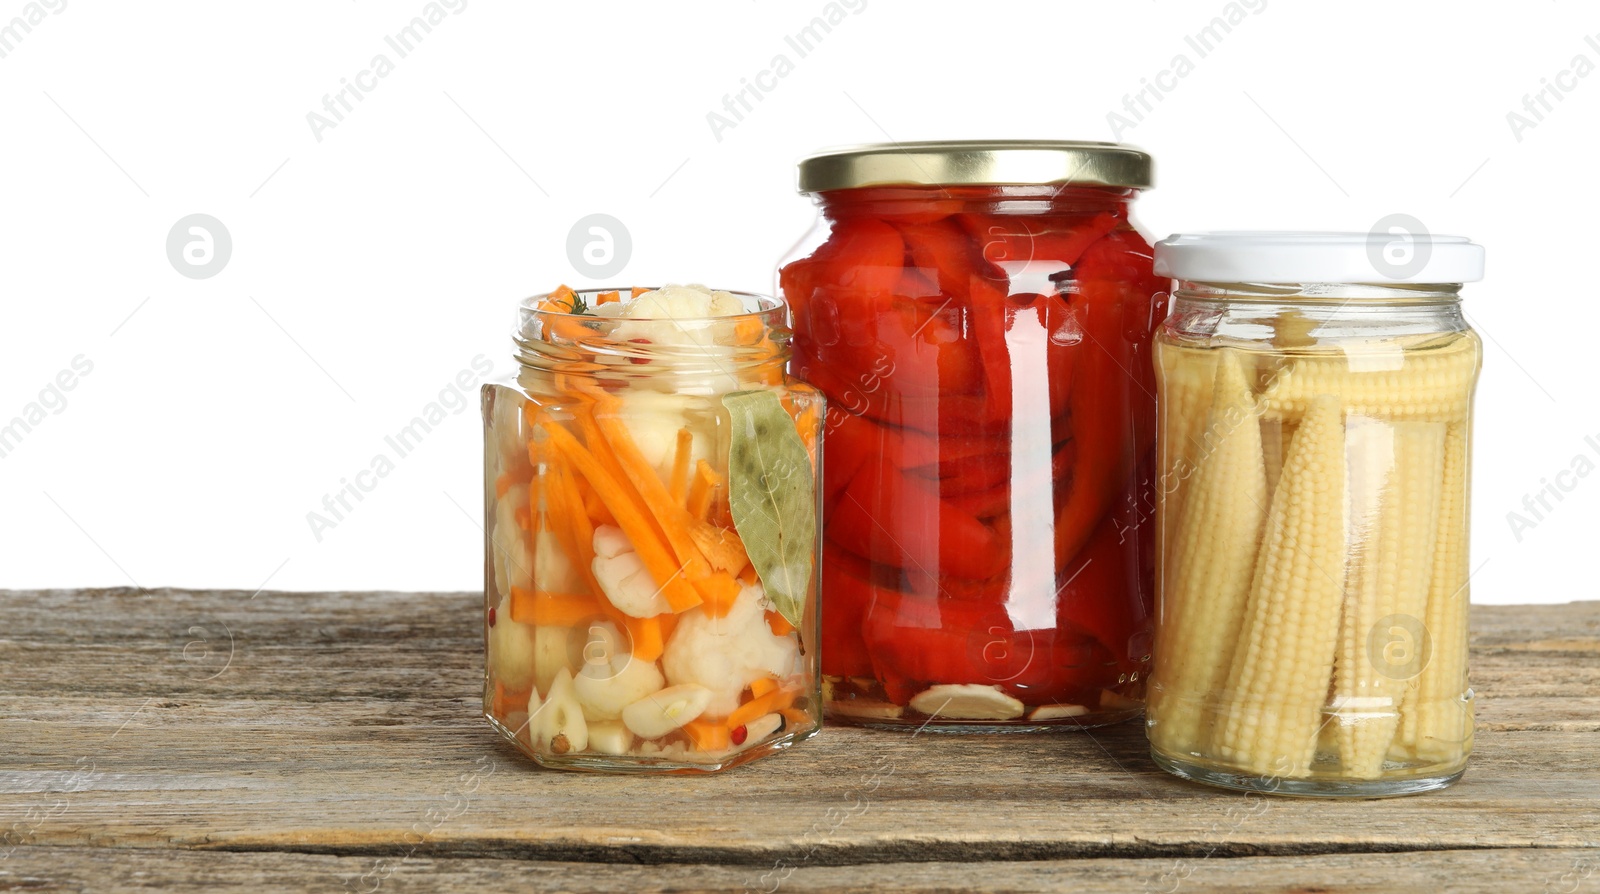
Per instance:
x=511, y=444
x=677, y=314
x=622, y=576
x=722, y=303
x=726, y=654
x=612, y=678
x=513, y=558
x=653, y=419
x=553, y=571
x=511, y=652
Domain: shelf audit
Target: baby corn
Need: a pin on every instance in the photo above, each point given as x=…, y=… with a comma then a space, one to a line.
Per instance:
x=1395, y=475
x=1438, y=722
x=1214, y=551
x=1433, y=385
x=1273, y=699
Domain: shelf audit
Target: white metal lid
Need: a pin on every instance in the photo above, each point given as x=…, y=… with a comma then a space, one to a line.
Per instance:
x=1381, y=256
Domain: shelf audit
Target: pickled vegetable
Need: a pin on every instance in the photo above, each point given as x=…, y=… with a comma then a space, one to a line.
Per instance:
x=988, y=509
x=1314, y=604
x=630, y=628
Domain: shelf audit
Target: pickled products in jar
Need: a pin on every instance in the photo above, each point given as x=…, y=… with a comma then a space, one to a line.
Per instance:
x=652, y=533
x=1314, y=584
x=988, y=509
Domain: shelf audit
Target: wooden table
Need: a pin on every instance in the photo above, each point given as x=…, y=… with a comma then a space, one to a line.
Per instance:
x=203, y=740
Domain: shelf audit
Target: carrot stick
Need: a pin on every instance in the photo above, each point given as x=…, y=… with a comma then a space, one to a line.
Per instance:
x=679, y=487
x=749, y=576
x=673, y=520
x=648, y=643
x=596, y=509
x=795, y=717
x=762, y=705
x=553, y=609
x=564, y=301
x=580, y=384
x=762, y=685
x=706, y=480
x=608, y=297
x=748, y=330
x=594, y=440
x=507, y=700
x=708, y=736
x=721, y=512
x=639, y=290
x=778, y=624
x=600, y=448
x=720, y=590
x=806, y=424
x=571, y=524
x=652, y=552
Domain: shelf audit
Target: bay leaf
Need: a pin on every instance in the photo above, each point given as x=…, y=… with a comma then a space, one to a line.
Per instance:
x=772, y=493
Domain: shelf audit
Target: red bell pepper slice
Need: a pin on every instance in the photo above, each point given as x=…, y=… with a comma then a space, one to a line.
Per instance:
x=1101, y=592
x=845, y=580
x=943, y=249
x=990, y=319
x=917, y=641
x=1006, y=239
x=965, y=413
x=865, y=257
x=887, y=519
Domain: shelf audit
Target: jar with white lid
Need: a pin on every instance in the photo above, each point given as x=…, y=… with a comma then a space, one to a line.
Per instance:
x=1315, y=432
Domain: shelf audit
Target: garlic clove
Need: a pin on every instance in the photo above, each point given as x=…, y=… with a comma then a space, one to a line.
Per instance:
x=761, y=729
x=605, y=688
x=511, y=650
x=866, y=709
x=610, y=737
x=662, y=712
x=553, y=572
x=1057, y=712
x=1113, y=701
x=559, y=724
x=513, y=557
x=553, y=652
x=967, y=701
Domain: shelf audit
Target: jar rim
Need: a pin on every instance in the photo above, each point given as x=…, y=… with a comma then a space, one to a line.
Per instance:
x=976, y=162
x=1313, y=293
x=590, y=343
x=765, y=305
x=1379, y=257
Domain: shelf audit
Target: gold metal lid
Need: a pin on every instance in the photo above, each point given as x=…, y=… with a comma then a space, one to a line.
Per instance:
x=977, y=162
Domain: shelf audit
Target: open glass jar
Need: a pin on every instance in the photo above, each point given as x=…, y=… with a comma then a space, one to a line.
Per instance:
x=1315, y=449
x=979, y=317
x=650, y=550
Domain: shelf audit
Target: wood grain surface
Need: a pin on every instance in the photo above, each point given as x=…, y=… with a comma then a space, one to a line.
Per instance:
x=332, y=741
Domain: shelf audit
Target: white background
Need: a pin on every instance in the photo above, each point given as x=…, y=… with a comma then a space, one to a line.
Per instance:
x=369, y=267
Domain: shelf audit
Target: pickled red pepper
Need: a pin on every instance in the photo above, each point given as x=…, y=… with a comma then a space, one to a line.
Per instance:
x=991, y=421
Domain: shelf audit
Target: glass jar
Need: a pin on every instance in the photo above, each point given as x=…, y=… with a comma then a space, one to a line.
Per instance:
x=1315, y=436
x=979, y=317
x=650, y=533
